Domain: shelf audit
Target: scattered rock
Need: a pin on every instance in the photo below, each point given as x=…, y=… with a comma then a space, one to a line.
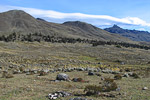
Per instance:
x=130, y=73
x=58, y=94
x=127, y=70
x=80, y=69
x=43, y=73
x=145, y=88
x=99, y=63
x=115, y=72
x=62, y=76
x=107, y=95
x=77, y=80
x=16, y=72
x=122, y=63
x=91, y=73
x=107, y=71
x=59, y=69
x=45, y=70
x=79, y=98
x=126, y=75
x=35, y=71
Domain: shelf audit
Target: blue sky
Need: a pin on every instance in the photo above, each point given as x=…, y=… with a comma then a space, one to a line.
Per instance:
x=132, y=14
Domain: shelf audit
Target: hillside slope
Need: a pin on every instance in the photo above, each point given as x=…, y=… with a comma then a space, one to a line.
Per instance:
x=22, y=23
x=134, y=35
x=93, y=32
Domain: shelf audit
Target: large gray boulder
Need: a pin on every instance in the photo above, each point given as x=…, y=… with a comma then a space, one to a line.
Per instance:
x=62, y=76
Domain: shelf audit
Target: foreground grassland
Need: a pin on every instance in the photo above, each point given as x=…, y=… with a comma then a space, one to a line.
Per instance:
x=50, y=56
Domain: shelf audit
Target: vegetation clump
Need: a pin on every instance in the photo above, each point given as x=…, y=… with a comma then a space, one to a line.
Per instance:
x=93, y=90
x=118, y=46
x=79, y=80
x=21, y=69
x=106, y=86
x=48, y=38
x=118, y=77
x=42, y=73
x=5, y=74
x=109, y=85
x=135, y=75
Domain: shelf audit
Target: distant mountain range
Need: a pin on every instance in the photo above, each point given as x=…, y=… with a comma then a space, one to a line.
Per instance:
x=21, y=22
x=134, y=35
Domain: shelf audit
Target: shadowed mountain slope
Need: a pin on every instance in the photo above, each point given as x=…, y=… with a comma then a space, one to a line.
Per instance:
x=134, y=35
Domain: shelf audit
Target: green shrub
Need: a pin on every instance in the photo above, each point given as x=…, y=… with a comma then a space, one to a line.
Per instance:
x=5, y=74
x=21, y=69
x=135, y=75
x=148, y=62
x=42, y=73
x=108, y=80
x=106, y=86
x=109, y=85
x=79, y=79
x=118, y=77
x=146, y=72
x=92, y=90
x=128, y=70
x=118, y=46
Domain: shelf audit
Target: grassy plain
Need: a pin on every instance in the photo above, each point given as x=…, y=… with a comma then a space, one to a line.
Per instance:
x=57, y=55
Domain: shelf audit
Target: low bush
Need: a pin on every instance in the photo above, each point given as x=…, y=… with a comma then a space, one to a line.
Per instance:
x=109, y=85
x=128, y=70
x=42, y=73
x=92, y=90
x=118, y=77
x=106, y=86
x=21, y=69
x=5, y=74
x=109, y=80
x=79, y=79
x=118, y=46
x=135, y=75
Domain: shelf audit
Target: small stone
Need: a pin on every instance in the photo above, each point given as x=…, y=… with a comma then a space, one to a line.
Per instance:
x=58, y=94
x=126, y=75
x=78, y=98
x=91, y=73
x=80, y=69
x=145, y=88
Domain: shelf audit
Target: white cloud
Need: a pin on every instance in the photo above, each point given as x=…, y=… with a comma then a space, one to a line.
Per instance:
x=93, y=19
x=142, y=29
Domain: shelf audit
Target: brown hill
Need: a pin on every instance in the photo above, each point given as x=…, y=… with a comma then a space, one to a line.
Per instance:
x=22, y=23
x=93, y=32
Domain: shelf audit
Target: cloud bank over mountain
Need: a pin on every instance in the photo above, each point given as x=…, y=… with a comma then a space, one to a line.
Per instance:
x=98, y=20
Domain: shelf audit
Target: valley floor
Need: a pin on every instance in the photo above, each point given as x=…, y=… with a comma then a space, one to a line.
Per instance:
x=50, y=56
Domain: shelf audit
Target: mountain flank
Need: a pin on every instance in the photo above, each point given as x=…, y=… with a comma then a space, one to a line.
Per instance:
x=134, y=35
x=21, y=22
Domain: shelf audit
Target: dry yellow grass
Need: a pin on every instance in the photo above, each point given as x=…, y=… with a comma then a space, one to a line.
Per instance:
x=47, y=56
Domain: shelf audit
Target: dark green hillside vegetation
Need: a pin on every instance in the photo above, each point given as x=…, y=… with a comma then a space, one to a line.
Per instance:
x=53, y=39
